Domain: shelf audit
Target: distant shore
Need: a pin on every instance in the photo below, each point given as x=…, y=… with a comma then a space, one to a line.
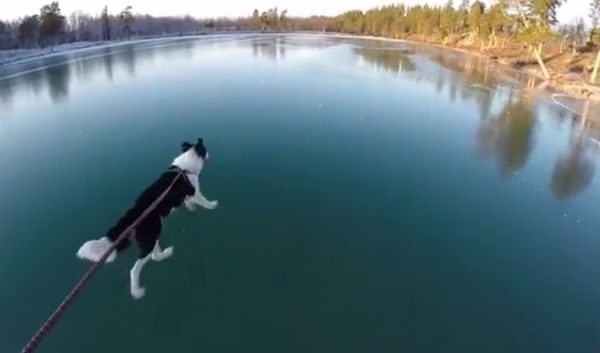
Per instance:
x=17, y=56
x=573, y=87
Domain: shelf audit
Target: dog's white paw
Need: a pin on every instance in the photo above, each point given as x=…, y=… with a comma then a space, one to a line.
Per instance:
x=138, y=293
x=211, y=205
x=168, y=252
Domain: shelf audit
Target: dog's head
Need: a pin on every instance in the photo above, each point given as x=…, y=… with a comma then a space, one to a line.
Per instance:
x=198, y=148
x=192, y=157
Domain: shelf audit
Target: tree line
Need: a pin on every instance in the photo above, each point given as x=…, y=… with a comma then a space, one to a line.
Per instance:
x=51, y=27
x=528, y=23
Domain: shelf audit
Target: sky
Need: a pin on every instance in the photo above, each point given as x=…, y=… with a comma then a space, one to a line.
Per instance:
x=12, y=9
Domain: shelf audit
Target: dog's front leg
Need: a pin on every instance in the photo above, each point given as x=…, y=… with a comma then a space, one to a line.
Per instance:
x=202, y=201
x=199, y=199
x=190, y=204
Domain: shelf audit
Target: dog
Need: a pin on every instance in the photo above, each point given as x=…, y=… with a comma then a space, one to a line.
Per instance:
x=185, y=190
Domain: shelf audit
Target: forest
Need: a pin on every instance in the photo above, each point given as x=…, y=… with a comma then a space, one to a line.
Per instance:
x=522, y=32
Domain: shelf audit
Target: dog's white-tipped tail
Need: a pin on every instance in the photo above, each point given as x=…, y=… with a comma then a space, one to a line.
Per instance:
x=94, y=249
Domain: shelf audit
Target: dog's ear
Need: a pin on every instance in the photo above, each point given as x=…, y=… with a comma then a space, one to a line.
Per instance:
x=200, y=149
x=186, y=146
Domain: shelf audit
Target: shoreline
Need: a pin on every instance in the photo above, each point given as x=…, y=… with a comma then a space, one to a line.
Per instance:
x=21, y=56
x=573, y=88
x=560, y=84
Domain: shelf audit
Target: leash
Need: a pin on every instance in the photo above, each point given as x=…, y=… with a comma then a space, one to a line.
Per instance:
x=59, y=312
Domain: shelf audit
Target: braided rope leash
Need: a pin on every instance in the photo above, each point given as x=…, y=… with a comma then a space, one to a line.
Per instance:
x=51, y=322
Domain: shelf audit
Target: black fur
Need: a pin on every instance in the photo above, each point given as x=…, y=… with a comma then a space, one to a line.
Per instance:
x=186, y=146
x=200, y=149
x=148, y=231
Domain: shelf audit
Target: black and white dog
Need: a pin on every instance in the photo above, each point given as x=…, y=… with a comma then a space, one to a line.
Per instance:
x=185, y=190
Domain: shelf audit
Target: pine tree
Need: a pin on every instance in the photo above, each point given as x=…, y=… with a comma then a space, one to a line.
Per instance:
x=28, y=30
x=352, y=22
x=283, y=21
x=496, y=19
x=256, y=19
x=461, y=16
x=535, y=28
x=105, y=24
x=447, y=19
x=476, y=13
x=52, y=23
x=399, y=22
x=126, y=16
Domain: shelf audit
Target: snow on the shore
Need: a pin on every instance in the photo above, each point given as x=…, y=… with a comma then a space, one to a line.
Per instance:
x=20, y=55
x=10, y=56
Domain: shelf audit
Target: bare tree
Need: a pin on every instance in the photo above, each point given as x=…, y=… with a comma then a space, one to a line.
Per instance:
x=595, y=35
x=28, y=31
x=3, y=34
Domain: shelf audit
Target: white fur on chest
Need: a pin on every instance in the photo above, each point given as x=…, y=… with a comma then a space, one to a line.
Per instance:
x=190, y=162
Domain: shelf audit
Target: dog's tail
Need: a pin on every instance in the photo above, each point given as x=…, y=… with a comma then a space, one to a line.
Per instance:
x=94, y=249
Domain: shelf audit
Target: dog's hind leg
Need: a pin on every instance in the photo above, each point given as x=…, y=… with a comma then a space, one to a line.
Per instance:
x=134, y=278
x=159, y=255
x=146, y=236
